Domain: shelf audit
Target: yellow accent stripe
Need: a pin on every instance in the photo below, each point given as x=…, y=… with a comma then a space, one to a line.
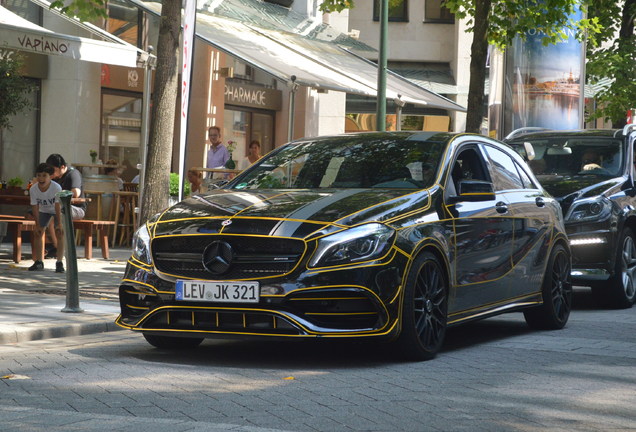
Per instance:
x=495, y=304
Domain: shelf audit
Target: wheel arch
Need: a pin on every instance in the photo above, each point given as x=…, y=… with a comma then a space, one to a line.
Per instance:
x=438, y=252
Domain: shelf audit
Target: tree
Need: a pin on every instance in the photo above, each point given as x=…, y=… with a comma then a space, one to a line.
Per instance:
x=14, y=89
x=612, y=54
x=157, y=170
x=497, y=22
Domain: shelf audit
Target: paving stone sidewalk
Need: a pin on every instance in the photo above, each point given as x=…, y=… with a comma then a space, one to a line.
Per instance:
x=31, y=302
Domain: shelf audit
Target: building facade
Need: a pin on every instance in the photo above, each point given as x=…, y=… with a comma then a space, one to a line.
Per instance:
x=253, y=62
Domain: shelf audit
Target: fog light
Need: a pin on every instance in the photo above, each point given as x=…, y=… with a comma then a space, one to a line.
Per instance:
x=587, y=241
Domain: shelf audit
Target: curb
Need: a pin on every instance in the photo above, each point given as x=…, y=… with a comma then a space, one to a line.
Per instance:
x=27, y=332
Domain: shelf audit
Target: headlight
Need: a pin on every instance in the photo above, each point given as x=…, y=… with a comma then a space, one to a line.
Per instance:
x=364, y=242
x=590, y=209
x=141, y=245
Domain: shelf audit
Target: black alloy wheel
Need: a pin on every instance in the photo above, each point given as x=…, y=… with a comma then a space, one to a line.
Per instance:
x=553, y=314
x=172, y=342
x=425, y=306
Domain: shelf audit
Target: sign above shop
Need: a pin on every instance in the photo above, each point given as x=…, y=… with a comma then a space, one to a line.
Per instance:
x=122, y=78
x=253, y=96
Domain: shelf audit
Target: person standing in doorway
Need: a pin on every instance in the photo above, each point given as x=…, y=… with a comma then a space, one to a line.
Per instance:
x=253, y=155
x=71, y=180
x=217, y=154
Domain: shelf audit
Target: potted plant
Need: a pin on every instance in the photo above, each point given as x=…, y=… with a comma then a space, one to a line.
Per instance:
x=230, y=164
x=14, y=186
x=174, y=188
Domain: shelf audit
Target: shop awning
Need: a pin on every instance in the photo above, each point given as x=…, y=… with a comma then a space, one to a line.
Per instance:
x=318, y=64
x=20, y=34
x=436, y=77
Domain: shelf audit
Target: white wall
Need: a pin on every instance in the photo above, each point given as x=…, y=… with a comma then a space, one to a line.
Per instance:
x=408, y=41
x=325, y=113
x=71, y=98
x=461, y=70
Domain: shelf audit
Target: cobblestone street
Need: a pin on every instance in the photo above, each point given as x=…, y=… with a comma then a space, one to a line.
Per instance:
x=491, y=375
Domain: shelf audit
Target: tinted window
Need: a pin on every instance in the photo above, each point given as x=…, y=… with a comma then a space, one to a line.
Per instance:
x=527, y=183
x=504, y=174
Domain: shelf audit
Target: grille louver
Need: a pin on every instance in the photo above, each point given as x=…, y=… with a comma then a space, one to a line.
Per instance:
x=253, y=256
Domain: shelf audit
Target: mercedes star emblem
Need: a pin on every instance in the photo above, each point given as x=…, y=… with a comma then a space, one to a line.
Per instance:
x=217, y=257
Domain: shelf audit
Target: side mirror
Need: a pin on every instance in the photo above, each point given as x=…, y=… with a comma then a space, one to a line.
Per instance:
x=474, y=191
x=529, y=150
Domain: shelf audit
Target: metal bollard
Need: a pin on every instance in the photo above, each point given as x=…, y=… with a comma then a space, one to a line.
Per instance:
x=72, y=285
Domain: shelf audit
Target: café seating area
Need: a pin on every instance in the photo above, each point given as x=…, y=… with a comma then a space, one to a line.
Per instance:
x=110, y=214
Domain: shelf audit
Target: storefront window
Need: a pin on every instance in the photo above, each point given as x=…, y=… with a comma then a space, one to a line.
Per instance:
x=121, y=131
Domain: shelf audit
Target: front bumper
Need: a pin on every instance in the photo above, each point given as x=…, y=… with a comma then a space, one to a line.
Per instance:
x=351, y=301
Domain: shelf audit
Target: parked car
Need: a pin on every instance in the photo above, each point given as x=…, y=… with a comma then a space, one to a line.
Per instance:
x=392, y=236
x=591, y=174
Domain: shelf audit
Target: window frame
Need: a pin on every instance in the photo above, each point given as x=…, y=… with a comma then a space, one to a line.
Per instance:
x=403, y=18
x=440, y=19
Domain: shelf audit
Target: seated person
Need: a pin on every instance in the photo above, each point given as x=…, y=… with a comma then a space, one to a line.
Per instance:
x=590, y=161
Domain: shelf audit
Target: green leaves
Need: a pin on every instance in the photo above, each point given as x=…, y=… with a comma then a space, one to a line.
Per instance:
x=85, y=10
x=336, y=5
x=612, y=54
x=14, y=89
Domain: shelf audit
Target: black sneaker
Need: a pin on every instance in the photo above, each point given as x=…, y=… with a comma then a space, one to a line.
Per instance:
x=37, y=265
x=51, y=253
x=59, y=267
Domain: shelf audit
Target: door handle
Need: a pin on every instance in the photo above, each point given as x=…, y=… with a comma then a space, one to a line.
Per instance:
x=540, y=202
x=501, y=207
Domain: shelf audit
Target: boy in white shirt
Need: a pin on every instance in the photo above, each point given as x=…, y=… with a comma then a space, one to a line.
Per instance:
x=46, y=206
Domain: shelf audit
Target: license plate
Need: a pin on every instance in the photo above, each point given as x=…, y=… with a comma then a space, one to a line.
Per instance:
x=219, y=292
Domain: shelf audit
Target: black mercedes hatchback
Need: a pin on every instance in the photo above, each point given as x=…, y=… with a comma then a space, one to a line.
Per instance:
x=386, y=236
x=591, y=174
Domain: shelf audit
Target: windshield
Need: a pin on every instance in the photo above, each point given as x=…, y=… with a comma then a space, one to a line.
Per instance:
x=568, y=156
x=359, y=161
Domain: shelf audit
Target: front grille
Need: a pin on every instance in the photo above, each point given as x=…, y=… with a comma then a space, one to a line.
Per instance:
x=253, y=257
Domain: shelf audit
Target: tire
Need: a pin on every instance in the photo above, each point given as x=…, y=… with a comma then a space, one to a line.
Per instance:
x=424, y=309
x=556, y=291
x=171, y=342
x=621, y=288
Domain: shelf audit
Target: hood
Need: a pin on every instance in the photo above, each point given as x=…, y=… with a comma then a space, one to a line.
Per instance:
x=286, y=213
x=584, y=186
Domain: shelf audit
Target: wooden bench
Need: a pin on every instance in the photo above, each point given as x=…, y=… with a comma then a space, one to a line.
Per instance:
x=19, y=224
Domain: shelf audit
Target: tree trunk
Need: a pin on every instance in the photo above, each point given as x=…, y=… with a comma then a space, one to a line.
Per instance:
x=157, y=170
x=478, y=56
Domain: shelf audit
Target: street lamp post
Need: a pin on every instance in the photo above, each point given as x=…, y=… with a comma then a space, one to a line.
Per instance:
x=380, y=116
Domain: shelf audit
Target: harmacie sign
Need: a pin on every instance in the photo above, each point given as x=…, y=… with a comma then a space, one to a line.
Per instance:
x=253, y=96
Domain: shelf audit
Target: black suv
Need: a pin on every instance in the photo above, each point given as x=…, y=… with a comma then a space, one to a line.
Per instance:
x=591, y=173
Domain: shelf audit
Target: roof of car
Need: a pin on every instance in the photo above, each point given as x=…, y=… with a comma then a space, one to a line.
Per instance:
x=564, y=133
